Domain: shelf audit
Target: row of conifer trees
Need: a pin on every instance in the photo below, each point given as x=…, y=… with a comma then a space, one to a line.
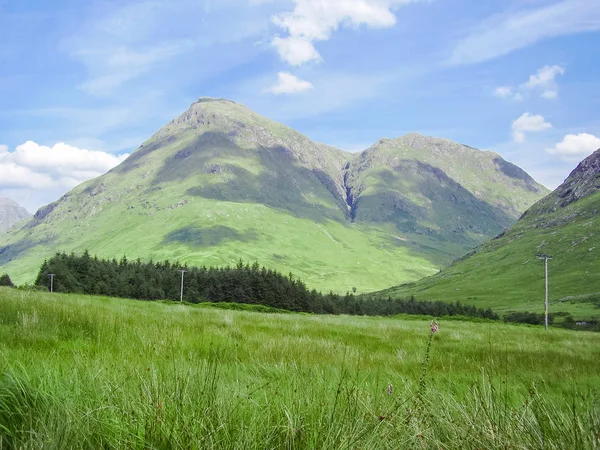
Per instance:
x=243, y=283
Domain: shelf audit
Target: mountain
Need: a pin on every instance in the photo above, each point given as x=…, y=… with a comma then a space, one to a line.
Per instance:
x=220, y=182
x=10, y=213
x=445, y=197
x=506, y=274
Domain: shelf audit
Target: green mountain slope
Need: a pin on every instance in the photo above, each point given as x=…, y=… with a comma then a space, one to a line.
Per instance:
x=506, y=274
x=220, y=182
x=442, y=195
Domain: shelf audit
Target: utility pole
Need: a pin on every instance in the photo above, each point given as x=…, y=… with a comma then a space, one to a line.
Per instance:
x=181, y=296
x=546, y=258
x=51, y=275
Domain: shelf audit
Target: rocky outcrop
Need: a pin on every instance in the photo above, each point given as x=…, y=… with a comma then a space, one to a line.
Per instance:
x=583, y=181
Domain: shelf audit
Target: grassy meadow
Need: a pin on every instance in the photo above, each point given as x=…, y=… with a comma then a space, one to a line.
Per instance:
x=97, y=372
x=506, y=275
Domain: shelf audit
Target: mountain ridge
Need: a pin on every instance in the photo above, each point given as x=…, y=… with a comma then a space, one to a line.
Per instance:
x=220, y=182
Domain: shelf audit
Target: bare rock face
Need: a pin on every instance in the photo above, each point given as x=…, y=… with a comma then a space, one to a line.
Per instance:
x=583, y=181
x=10, y=213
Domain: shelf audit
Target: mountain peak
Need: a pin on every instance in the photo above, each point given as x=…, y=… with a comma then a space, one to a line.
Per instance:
x=10, y=213
x=7, y=202
x=210, y=114
x=213, y=99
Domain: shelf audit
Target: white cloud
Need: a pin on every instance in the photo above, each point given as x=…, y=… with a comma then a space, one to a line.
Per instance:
x=543, y=80
x=502, y=34
x=342, y=91
x=508, y=92
x=289, y=84
x=528, y=123
x=575, y=147
x=544, y=77
x=503, y=91
x=316, y=20
x=34, y=166
x=296, y=51
x=549, y=95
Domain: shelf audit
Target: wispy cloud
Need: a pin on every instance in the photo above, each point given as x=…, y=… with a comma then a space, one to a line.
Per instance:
x=542, y=82
x=114, y=66
x=504, y=33
x=508, y=92
x=545, y=81
x=119, y=44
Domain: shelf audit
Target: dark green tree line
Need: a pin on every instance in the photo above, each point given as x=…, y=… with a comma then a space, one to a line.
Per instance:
x=243, y=283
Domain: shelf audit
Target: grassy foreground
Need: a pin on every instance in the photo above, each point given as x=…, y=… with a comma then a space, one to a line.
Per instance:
x=93, y=372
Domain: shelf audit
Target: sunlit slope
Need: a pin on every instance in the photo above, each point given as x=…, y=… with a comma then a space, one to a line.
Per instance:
x=220, y=182
x=506, y=274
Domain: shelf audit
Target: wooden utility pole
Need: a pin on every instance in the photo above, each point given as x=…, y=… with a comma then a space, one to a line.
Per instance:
x=181, y=295
x=546, y=258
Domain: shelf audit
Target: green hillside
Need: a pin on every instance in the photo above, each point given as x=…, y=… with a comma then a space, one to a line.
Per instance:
x=221, y=182
x=505, y=273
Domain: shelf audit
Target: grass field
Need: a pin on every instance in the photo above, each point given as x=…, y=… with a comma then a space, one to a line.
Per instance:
x=94, y=372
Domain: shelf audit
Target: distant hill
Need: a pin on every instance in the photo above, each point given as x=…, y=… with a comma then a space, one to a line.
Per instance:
x=220, y=182
x=10, y=213
x=505, y=273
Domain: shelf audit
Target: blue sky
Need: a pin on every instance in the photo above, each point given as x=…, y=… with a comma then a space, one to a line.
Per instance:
x=84, y=83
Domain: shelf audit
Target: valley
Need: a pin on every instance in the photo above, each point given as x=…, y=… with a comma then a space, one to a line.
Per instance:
x=506, y=274
x=299, y=225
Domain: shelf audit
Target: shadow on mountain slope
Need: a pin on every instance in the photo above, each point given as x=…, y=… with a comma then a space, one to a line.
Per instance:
x=208, y=237
x=269, y=176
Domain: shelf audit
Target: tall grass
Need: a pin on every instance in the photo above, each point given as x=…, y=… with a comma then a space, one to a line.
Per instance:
x=86, y=372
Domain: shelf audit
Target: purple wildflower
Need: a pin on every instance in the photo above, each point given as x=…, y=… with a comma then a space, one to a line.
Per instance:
x=434, y=327
x=389, y=389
